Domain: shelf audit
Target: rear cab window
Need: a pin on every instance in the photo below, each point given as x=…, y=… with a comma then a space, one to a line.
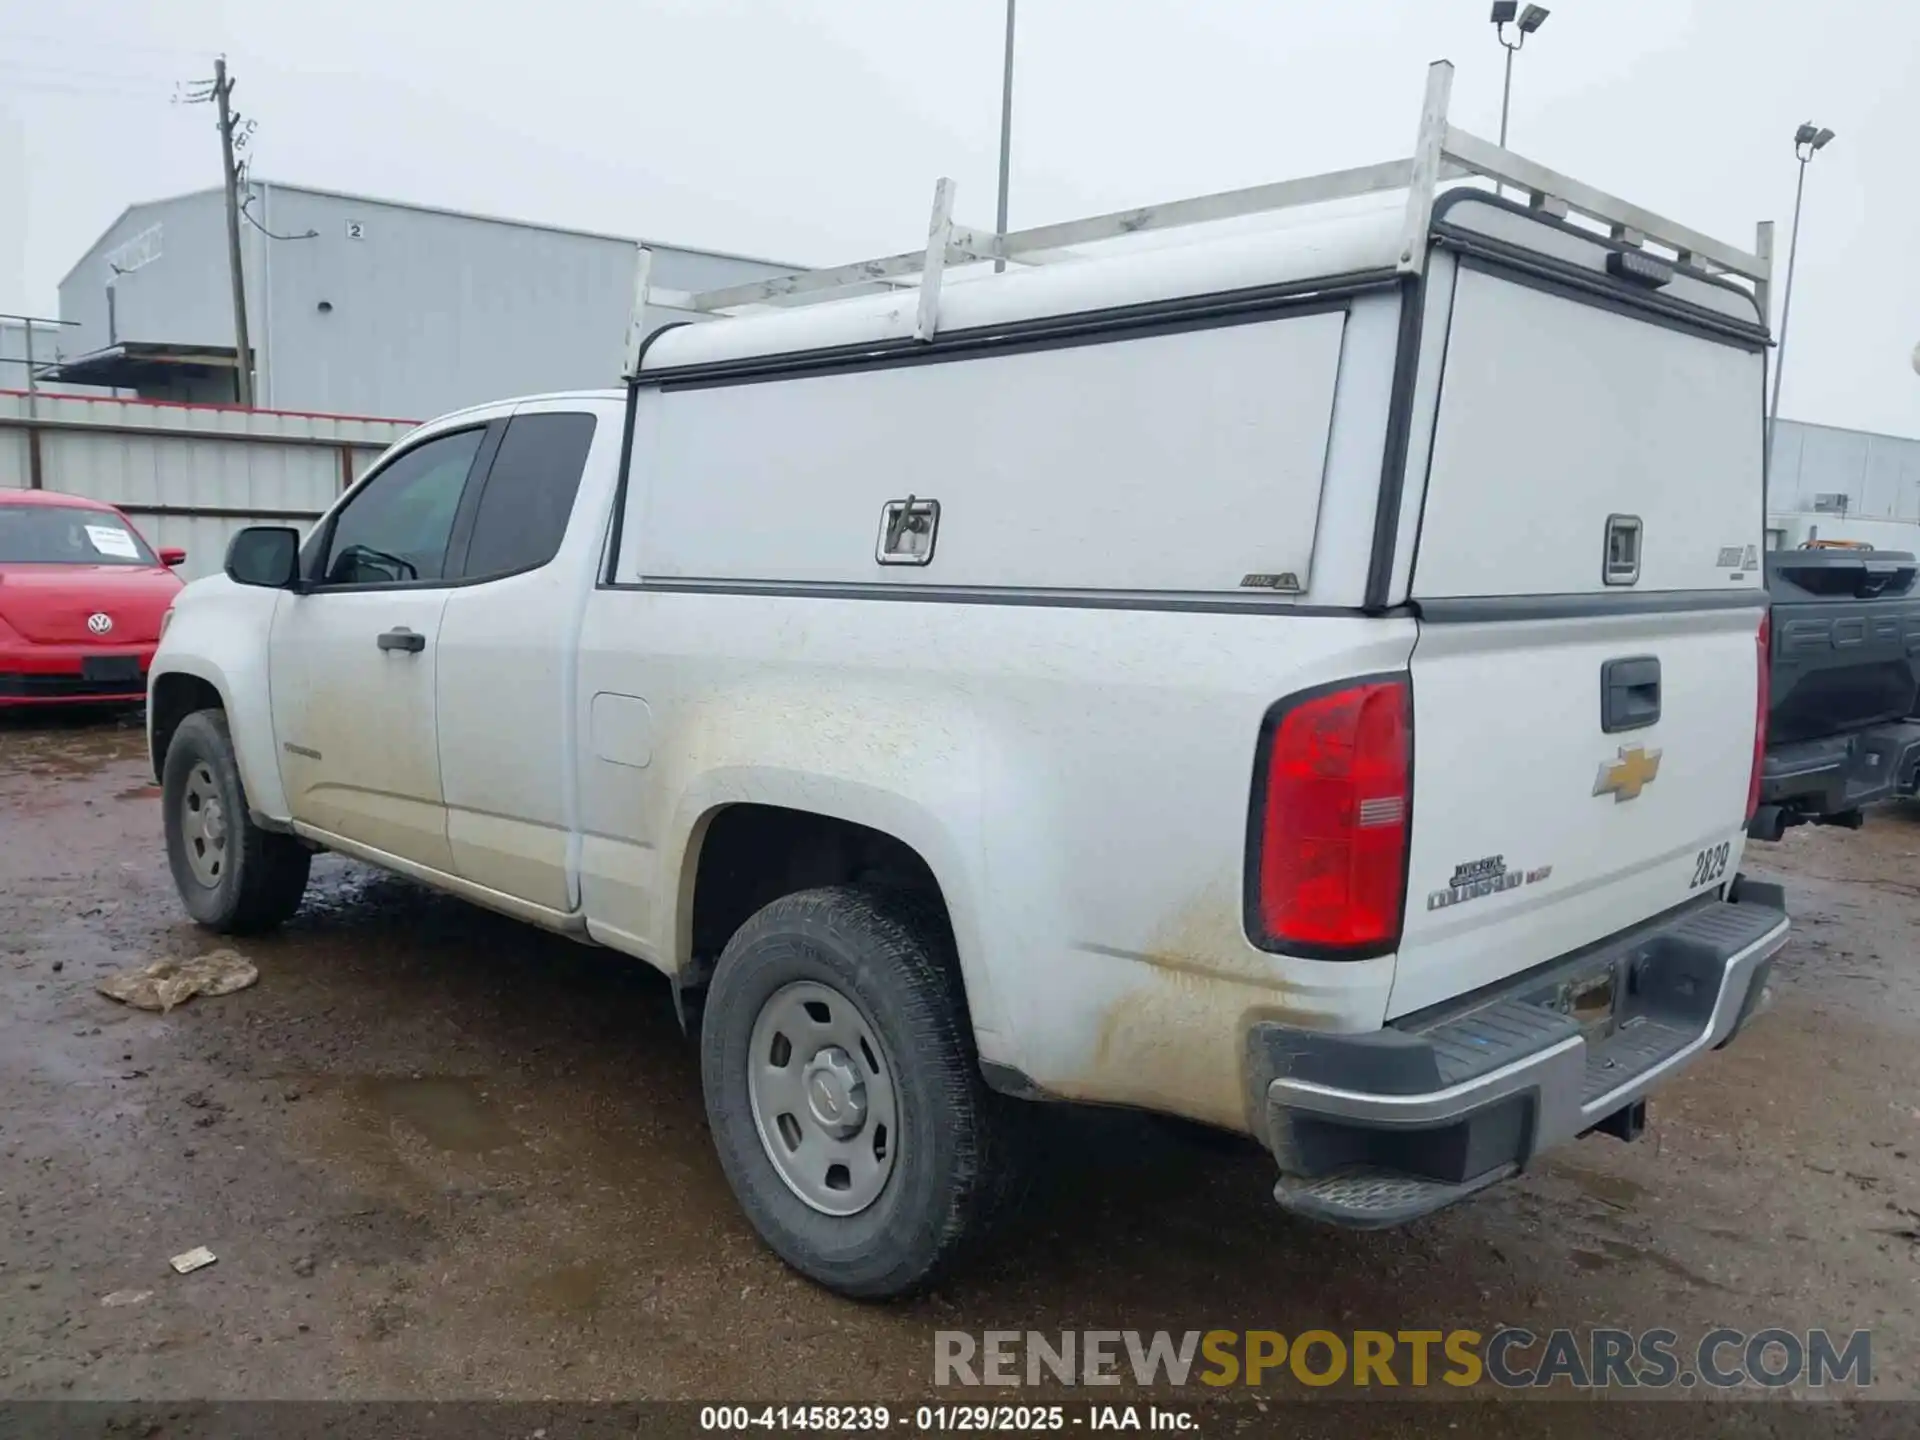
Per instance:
x=528, y=496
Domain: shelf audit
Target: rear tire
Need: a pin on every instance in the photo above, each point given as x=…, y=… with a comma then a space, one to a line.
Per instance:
x=233, y=877
x=836, y=1030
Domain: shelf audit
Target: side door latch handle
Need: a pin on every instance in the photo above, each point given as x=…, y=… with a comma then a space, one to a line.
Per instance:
x=401, y=638
x=1629, y=693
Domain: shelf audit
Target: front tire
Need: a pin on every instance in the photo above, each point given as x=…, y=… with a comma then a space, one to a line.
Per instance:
x=233, y=877
x=844, y=1092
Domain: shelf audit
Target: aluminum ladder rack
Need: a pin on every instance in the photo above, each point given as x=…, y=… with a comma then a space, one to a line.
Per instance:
x=1442, y=153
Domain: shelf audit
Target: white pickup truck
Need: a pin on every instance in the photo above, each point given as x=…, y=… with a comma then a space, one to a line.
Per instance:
x=1305, y=677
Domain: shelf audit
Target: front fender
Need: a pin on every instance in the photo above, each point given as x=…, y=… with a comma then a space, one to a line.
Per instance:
x=219, y=635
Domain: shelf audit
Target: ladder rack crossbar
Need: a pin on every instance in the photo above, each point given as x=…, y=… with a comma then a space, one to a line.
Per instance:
x=1484, y=158
x=1442, y=154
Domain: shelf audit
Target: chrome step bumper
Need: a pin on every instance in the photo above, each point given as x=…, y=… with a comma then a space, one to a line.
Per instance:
x=1376, y=1129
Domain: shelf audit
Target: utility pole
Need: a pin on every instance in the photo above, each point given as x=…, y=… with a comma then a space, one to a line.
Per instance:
x=1506, y=92
x=1806, y=140
x=1525, y=22
x=1006, y=132
x=243, y=351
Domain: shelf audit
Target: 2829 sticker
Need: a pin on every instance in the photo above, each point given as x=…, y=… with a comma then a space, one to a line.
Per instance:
x=1710, y=864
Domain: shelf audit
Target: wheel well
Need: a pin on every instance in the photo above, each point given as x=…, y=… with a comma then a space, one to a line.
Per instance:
x=751, y=855
x=174, y=698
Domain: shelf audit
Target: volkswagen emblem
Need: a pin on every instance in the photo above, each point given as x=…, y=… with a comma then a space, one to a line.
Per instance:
x=100, y=623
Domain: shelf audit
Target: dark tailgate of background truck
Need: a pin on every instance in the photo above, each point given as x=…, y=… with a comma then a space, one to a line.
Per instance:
x=1846, y=671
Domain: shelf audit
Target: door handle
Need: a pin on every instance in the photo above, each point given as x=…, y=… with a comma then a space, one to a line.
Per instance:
x=402, y=638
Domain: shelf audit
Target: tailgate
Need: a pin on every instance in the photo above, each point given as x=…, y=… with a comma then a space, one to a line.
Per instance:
x=1846, y=641
x=1514, y=858
x=1585, y=681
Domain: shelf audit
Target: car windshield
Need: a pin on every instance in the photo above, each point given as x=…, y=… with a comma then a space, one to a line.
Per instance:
x=68, y=535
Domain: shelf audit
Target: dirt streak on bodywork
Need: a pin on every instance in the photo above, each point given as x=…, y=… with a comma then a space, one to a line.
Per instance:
x=1174, y=1038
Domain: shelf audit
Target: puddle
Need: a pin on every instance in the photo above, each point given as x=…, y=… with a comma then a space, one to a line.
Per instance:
x=1612, y=1190
x=66, y=746
x=448, y=1111
x=1618, y=1252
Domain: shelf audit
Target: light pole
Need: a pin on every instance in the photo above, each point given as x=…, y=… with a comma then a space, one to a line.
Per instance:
x=1807, y=139
x=1527, y=21
x=1006, y=132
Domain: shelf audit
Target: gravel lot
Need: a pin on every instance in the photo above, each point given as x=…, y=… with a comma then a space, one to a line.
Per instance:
x=442, y=1155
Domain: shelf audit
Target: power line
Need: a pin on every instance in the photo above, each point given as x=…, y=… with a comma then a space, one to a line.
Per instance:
x=175, y=54
x=246, y=214
x=156, y=95
x=234, y=135
x=36, y=70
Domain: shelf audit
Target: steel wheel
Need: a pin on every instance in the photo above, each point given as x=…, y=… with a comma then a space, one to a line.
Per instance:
x=823, y=1099
x=203, y=826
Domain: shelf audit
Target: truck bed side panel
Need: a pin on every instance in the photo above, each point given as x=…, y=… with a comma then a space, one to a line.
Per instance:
x=1077, y=778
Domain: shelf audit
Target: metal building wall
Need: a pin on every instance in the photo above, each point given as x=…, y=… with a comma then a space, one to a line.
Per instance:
x=1879, y=474
x=427, y=311
x=188, y=475
x=47, y=339
x=173, y=284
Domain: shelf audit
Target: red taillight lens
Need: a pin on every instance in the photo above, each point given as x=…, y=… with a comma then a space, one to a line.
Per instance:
x=1763, y=646
x=1332, y=828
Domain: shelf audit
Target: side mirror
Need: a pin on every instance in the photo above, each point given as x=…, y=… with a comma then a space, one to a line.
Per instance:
x=264, y=555
x=172, y=555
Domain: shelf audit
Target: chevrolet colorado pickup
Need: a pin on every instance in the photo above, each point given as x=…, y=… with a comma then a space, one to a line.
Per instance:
x=1290, y=678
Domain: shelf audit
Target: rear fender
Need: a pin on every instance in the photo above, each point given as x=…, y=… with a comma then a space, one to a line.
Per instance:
x=922, y=789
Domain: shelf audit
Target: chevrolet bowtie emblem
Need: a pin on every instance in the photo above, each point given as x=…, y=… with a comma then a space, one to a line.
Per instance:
x=1626, y=777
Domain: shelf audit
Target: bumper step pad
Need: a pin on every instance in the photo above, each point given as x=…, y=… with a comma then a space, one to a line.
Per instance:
x=1366, y=1199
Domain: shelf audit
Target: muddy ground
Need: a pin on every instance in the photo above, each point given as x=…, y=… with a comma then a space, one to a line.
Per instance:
x=439, y=1154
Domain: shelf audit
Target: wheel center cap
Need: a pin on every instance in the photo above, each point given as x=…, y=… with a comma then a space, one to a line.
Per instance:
x=836, y=1095
x=216, y=822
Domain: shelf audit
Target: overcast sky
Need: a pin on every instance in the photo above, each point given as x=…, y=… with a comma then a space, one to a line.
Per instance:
x=812, y=130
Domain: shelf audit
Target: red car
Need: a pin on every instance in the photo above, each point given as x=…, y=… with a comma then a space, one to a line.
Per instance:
x=81, y=599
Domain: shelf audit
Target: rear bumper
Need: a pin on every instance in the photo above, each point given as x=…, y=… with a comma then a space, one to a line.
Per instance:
x=60, y=674
x=1814, y=780
x=1376, y=1129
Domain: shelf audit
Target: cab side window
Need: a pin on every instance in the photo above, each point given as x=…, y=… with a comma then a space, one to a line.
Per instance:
x=397, y=529
x=529, y=494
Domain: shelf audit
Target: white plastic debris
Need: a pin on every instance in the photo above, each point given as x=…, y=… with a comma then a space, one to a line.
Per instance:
x=167, y=983
x=189, y=1261
x=126, y=1297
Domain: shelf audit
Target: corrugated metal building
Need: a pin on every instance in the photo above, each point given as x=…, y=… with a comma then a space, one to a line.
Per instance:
x=1835, y=484
x=359, y=306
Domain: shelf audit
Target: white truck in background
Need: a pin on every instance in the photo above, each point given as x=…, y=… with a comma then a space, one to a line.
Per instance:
x=1307, y=680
